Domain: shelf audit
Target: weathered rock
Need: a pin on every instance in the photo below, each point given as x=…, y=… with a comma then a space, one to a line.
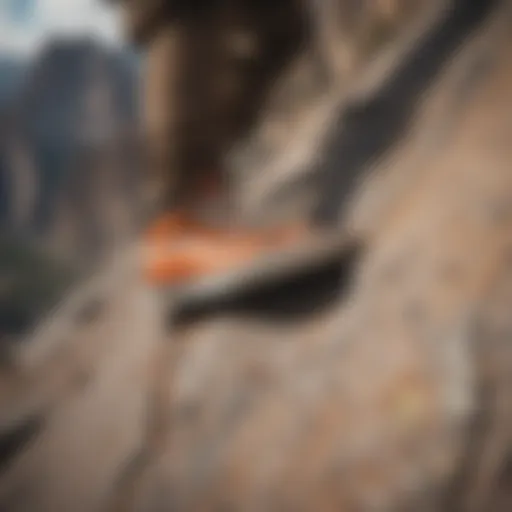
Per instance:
x=395, y=396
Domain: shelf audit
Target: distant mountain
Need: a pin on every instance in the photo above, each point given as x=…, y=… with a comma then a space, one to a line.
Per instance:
x=70, y=157
x=56, y=100
x=12, y=72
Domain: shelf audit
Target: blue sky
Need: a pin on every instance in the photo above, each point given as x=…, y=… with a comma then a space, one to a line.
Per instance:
x=26, y=24
x=20, y=11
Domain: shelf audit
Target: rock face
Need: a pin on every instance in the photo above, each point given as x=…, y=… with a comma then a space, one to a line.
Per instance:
x=373, y=403
x=394, y=396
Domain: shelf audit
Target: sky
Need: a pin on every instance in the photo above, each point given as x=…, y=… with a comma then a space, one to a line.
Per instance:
x=26, y=24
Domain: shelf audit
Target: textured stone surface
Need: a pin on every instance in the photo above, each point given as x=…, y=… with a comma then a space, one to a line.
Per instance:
x=396, y=396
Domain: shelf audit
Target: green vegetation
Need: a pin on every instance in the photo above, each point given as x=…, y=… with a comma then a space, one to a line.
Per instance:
x=31, y=284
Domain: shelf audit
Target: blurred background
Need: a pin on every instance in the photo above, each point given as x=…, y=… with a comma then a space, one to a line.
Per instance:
x=70, y=149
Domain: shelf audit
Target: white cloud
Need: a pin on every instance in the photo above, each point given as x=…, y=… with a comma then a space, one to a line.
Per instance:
x=60, y=17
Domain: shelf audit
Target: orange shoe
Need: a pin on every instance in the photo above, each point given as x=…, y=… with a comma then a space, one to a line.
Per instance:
x=172, y=225
x=179, y=250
